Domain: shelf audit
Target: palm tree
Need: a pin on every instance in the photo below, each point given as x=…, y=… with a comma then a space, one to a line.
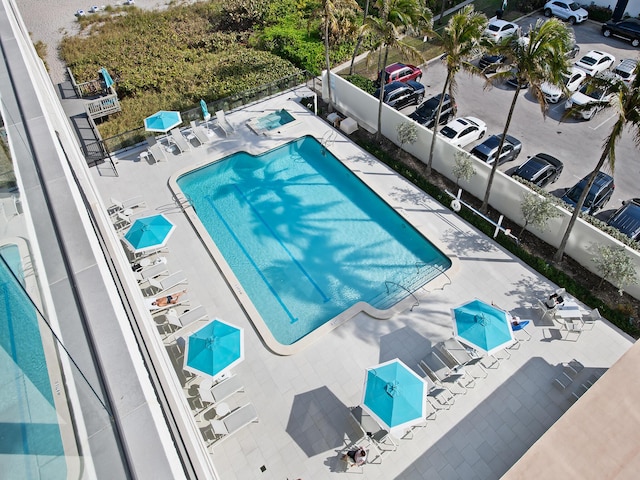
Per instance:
x=537, y=59
x=394, y=19
x=337, y=22
x=359, y=41
x=460, y=42
x=627, y=99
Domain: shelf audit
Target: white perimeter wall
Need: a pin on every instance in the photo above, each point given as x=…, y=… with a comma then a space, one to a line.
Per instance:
x=633, y=7
x=506, y=193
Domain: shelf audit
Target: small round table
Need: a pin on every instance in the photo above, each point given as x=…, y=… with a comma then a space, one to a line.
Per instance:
x=145, y=262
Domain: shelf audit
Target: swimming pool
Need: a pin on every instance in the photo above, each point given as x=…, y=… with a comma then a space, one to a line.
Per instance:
x=274, y=120
x=30, y=443
x=306, y=238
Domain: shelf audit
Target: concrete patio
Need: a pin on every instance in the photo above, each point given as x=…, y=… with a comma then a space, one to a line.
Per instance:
x=302, y=400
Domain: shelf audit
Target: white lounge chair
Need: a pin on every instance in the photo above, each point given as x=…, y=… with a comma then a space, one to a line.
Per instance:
x=215, y=393
x=179, y=141
x=130, y=204
x=200, y=132
x=190, y=316
x=158, y=286
x=458, y=354
x=153, y=271
x=157, y=153
x=226, y=127
x=234, y=421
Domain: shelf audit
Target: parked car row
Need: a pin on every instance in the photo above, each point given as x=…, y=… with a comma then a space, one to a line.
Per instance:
x=541, y=169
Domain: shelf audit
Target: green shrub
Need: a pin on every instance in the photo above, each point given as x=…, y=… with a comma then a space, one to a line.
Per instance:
x=294, y=44
x=598, y=13
x=528, y=6
x=363, y=83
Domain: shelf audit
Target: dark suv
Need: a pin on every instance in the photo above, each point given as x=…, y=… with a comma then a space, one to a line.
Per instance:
x=627, y=219
x=600, y=193
x=487, y=150
x=628, y=29
x=425, y=114
x=400, y=94
x=541, y=169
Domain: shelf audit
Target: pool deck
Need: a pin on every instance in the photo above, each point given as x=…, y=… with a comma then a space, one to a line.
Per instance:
x=302, y=399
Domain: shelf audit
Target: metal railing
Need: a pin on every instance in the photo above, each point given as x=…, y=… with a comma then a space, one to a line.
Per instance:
x=131, y=138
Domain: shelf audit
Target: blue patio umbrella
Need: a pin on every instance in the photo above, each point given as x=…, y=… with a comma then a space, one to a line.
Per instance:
x=214, y=349
x=205, y=111
x=149, y=233
x=162, y=121
x=482, y=326
x=394, y=395
x=108, y=81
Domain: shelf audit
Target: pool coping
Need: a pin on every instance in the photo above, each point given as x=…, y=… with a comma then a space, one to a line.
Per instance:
x=55, y=372
x=234, y=284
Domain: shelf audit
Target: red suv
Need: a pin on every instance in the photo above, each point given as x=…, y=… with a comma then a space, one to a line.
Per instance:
x=399, y=72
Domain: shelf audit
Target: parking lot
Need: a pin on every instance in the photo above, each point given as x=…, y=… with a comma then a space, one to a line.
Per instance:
x=577, y=143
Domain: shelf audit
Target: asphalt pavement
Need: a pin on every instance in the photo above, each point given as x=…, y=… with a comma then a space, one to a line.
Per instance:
x=577, y=143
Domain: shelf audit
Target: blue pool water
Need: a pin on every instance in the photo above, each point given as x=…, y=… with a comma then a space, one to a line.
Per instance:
x=274, y=120
x=306, y=238
x=30, y=442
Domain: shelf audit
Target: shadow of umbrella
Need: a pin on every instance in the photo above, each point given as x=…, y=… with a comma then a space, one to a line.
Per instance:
x=319, y=422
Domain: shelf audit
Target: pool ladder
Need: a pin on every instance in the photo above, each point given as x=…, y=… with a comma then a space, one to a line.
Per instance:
x=402, y=287
x=328, y=139
x=184, y=201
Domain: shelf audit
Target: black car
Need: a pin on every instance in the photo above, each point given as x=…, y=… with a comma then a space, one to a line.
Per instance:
x=513, y=81
x=425, y=114
x=628, y=29
x=491, y=63
x=400, y=94
x=627, y=219
x=541, y=170
x=487, y=150
x=599, y=194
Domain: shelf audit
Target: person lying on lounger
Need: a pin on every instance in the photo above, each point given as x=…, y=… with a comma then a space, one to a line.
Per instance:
x=168, y=300
x=356, y=457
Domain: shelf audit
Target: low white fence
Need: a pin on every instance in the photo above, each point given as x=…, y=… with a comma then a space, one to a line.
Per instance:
x=506, y=193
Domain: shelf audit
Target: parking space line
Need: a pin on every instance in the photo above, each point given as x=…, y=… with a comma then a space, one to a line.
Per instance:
x=557, y=106
x=602, y=123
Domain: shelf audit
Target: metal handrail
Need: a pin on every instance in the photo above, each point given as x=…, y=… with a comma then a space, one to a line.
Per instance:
x=417, y=302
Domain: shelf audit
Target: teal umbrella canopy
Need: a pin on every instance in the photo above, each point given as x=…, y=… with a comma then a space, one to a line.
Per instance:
x=214, y=349
x=205, y=111
x=108, y=81
x=394, y=395
x=162, y=121
x=482, y=326
x=149, y=233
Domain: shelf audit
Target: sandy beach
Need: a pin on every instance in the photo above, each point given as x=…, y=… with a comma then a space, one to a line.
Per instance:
x=49, y=21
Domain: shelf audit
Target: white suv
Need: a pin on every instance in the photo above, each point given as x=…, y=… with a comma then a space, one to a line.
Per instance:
x=569, y=11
